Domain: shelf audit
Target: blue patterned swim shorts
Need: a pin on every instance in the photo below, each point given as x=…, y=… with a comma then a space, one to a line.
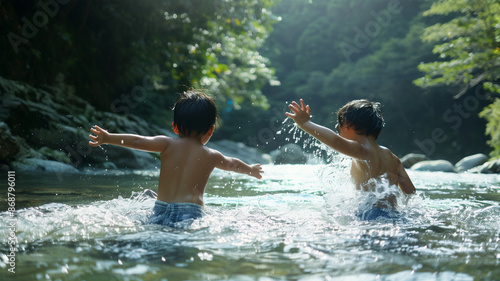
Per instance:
x=374, y=213
x=176, y=215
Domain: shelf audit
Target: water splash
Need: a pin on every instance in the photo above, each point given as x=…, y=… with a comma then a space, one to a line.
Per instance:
x=63, y=222
x=319, y=152
x=299, y=222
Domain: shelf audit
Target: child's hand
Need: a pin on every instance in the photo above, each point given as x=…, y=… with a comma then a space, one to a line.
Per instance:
x=301, y=114
x=100, y=137
x=256, y=171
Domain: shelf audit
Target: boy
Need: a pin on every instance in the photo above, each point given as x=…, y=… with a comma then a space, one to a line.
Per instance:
x=186, y=163
x=359, y=124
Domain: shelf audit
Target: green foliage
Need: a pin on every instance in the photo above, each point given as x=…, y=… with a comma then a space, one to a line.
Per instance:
x=492, y=114
x=468, y=46
x=226, y=50
x=306, y=50
x=106, y=48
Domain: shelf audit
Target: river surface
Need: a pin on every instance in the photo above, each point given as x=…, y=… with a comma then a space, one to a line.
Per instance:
x=299, y=222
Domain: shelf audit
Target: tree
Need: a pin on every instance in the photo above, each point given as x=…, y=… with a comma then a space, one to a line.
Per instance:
x=105, y=49
x=330, y=52
x=469, y=48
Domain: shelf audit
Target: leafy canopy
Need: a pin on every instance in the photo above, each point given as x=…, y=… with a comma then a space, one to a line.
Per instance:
x=105, y=49
x=468, y=44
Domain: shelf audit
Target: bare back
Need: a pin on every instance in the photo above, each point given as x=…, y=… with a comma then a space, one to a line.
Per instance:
x=380, y=162
x=186, y=165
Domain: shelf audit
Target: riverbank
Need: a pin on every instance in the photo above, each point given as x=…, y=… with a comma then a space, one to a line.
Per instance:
x=47, y=130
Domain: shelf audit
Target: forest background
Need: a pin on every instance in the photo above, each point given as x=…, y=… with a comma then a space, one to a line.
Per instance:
x=134, y=58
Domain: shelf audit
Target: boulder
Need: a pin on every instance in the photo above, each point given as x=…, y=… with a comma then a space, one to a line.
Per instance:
x=434, y=166
x=40, y=165
x=110, y=156
x=289, y=154
x=470, y=162
x=40, y=124
x=490, y=167
x=249, y=155
x=55, y=155
x=9, y=146
x=413, y=158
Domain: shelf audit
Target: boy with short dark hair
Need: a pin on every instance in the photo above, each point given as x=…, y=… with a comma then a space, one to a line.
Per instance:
x=186, y=163
x=359, y=125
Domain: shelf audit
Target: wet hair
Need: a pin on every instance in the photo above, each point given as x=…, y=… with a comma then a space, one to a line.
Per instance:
x=194, y=112
x=363, y=116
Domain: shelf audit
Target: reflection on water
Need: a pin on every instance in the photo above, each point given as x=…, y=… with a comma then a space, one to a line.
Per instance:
x=299, y=223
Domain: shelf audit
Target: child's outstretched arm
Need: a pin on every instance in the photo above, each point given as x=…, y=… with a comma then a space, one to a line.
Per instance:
x=404, y=181
x=236, y=165
x=151, y=144
x=301, y=114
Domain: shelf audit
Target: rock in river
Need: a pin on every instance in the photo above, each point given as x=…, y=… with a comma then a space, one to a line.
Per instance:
x=413, y=158
x=470, y=162
x=435, y=166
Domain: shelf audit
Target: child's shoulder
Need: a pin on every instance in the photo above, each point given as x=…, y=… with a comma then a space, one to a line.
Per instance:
x=214, y=153
x=162, y=138
x=385, y=149
x=388, y=153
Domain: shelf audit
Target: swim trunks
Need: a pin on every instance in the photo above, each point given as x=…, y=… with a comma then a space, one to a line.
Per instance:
x=372, y=213
x=175, y=214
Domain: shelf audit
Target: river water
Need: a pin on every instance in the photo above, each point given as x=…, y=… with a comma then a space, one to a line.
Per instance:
x=298, y=223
